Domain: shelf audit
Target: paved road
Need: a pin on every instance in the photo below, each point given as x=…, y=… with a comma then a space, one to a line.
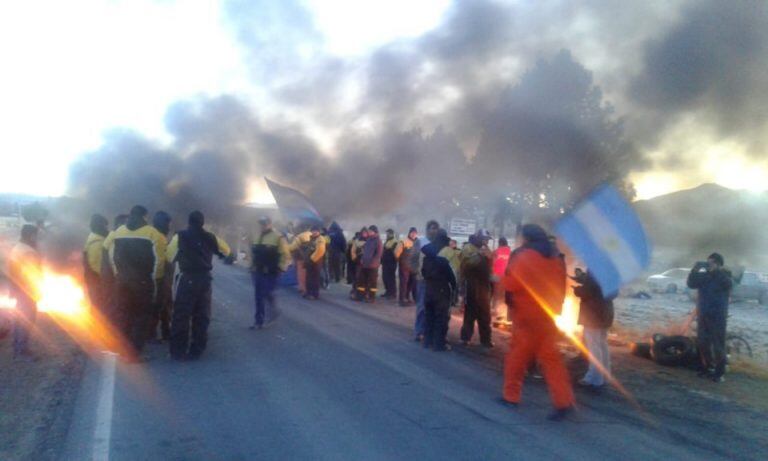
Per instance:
x=332, y=382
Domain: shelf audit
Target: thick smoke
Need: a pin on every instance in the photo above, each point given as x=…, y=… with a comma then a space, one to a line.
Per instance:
x=713, y=63
x=498, y=101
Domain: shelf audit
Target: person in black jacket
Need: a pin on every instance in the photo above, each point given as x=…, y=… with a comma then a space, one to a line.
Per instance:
x=337, y=251
x=193, y=249
x=596, y=316
x=440, y=284
x=389, y=266
x=714, y=283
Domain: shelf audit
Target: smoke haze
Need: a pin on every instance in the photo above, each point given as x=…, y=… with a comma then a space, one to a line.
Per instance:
x=500, y=100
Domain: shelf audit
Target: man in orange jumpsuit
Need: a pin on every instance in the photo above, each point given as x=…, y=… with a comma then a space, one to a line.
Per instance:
x=536, y=280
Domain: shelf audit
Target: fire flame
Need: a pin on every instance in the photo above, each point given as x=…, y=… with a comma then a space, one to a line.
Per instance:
x=568, y=320
x=62, y=295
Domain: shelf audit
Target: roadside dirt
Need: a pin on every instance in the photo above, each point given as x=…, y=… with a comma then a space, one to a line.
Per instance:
x=37, y=398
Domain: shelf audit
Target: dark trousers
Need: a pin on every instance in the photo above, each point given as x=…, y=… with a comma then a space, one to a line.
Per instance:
x=134, y=308
x=351, y=273
x=337, y=265
x=95, y=290
x=368, y=284
x=192, y=305
x=161, y=309
x=437, y=310
x=263, y=288
x=711, y=342
x=313, y=278
x=24, y=321
x=407, y=286
x=477, y=309
x=388, y=276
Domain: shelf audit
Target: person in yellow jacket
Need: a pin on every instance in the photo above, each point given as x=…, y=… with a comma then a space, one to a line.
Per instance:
x=299, y=259
x=93, y=252
x=138, y=256
x=161, y=309
x=269, y=258
x=313, y=251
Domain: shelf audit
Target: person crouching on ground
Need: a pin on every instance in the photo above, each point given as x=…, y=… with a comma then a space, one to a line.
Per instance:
x=596, y=316
x=714, y=283
x=440, y=285
x=536, y=278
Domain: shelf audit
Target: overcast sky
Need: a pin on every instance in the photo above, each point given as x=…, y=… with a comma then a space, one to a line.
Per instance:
x=689, y=77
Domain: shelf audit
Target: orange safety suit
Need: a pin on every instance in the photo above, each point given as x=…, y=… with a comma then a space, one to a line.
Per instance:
x=537, y=284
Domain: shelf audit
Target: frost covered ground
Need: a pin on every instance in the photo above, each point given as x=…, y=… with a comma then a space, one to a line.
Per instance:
x=667, y=313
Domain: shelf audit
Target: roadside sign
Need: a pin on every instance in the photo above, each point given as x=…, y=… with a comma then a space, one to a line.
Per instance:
x=461, y=226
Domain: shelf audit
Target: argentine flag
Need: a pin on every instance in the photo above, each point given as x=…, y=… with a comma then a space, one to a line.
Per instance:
x=606, y=234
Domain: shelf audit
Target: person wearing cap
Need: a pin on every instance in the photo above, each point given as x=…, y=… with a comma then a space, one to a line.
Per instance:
x=161, y=310
x=476, y=260
x=269, y=257
x=714, y=283
x=370, y=262
x=440, y=284
x=313, y=251
x=404, y=253
x=92, y=255
x=138, y=255
x=193, y=249
x=536, y=279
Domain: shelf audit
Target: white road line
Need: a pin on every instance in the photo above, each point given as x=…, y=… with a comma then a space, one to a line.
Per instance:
x=102, y=432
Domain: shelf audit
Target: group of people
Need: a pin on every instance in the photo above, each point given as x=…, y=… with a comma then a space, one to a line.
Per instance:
x=141, y=281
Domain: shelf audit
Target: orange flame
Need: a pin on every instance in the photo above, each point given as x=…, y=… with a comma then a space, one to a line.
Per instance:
x=568, y=320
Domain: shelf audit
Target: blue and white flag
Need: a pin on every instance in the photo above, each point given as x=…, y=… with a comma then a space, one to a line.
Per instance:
x=293, y=205
x=607, y=235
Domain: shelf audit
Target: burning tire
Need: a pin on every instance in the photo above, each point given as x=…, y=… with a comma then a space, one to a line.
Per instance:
x=672, y=350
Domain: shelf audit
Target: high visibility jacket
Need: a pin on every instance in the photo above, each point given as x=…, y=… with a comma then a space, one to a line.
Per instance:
x=109, y=247
x=269, y=253
x=357, y=249
x=93, y=251
x=537, y=285
x=311, y=248
x=137, y=254
x=454, y=258
x=406, y=253
x=388, y=257
x=193, y=250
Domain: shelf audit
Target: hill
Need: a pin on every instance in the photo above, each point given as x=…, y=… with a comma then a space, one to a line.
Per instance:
x=696, y=222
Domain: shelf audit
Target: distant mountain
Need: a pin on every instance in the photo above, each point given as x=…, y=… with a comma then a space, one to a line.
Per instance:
x=709, y=218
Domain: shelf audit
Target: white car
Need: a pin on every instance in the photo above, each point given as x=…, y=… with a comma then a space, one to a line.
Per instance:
x=671, y=281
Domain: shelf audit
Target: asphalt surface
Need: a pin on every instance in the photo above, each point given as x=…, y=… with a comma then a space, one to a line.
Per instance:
x=333, y=381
